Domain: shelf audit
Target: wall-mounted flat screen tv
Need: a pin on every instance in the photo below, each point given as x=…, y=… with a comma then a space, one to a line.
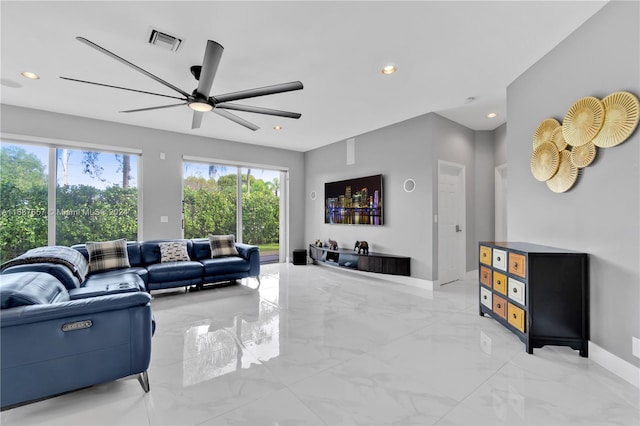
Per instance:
x=354, y=201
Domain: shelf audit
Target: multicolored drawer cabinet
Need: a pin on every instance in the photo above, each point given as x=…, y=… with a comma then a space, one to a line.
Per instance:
x=539, y=293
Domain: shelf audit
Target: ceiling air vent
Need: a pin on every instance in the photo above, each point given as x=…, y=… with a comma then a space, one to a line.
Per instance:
x=164, y=40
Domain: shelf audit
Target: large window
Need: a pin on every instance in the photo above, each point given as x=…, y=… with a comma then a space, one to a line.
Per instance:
x=23, y=199
x=91, y=196
x=211, y=205
x=96, y=196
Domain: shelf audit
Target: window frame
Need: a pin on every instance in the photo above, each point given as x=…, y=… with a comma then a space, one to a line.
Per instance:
x=52, y=145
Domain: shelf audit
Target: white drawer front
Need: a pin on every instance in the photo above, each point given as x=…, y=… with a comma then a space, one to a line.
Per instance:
x=516, y=290
x=500, y=259
x=485, y=297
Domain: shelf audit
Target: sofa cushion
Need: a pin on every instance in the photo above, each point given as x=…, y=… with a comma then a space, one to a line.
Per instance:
x=174, y=271
x=115, y=275
x=222, y=245
x=107, y=255
x=150, y=250
x=30, y=288
x=173, y=251
x=61, y=272
x=133, y=251
x=224, y=266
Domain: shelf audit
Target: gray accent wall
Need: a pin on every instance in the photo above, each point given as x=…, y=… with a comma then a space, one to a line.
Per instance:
x=410, y=149
x=161, y=179
x=600, y=215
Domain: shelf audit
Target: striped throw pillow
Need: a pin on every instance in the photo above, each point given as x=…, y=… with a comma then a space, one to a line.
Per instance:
x=107, y=255
x=222, y=245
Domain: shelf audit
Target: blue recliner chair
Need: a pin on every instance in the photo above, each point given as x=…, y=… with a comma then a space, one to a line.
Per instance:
x=55, y=340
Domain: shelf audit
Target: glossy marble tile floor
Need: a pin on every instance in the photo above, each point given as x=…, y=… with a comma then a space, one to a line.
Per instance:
x=318, y=346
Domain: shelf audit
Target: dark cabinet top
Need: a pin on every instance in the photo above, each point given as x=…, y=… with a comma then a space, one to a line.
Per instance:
x=527, y=247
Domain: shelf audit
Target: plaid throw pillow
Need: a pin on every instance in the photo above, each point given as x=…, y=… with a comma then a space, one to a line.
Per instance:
x=174, y=251
x=222, y=245
x=108, y=255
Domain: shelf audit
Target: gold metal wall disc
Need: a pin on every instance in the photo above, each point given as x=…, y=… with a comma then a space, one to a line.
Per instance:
x=544, y=161
x=582, y=156
x=558, y=139
x=544, y=131
x=622, y=112
x=583, y=121
x=566, y=176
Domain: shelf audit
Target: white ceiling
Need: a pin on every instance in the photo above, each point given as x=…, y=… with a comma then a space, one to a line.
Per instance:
x=445, y=52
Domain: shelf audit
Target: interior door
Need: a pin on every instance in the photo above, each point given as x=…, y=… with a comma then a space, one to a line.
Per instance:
x=451, y=222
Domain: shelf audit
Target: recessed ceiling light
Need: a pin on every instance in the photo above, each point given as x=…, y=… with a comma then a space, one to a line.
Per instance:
x=492, y=115
x=389, y=69
x=31, y=75
x=277, y=127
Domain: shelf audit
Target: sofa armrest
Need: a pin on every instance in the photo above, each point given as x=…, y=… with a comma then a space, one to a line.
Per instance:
x=103, y=290
x=73, y=308
x=245, y=250
x=252, y=254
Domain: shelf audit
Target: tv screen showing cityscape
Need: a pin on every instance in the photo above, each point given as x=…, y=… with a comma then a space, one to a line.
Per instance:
x=354, y=201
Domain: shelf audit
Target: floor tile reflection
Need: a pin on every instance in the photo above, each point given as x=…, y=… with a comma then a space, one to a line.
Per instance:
x=318, y=346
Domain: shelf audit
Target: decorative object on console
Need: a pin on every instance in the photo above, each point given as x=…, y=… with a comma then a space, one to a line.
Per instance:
x=222, y=246
x=354, y=201
x=318, y=243
x=361, y=246
x=333, y=245
x=589, y=123
x=108, y=255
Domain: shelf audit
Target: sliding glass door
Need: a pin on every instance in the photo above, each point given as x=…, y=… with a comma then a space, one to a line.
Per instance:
x=210, y=204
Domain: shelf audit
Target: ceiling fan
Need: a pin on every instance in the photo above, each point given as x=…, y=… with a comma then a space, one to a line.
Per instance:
x=199, y=100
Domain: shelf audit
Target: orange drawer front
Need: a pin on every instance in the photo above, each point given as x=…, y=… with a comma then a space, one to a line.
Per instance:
x=485, y=276
x=500, y=306
x=515, y=317
x=485, y=255
x=500, y=282
x=517, y=265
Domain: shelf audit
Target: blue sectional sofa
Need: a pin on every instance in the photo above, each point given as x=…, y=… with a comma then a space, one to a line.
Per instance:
x=201, y=269
x=54, y=340
x=64, y=326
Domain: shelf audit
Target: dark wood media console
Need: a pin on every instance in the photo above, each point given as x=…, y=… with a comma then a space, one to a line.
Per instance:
x=372, y=262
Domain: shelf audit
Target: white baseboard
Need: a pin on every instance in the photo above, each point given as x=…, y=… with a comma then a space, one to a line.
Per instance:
x=621, y=368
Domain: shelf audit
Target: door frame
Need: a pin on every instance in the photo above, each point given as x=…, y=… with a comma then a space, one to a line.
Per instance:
x=462, y=250
x=500, y=205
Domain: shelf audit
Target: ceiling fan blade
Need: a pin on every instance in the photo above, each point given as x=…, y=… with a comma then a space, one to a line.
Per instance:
x=212, y=55
x=197, y=119
x=261, y=91
x=259, y=110
x=232, y=117
x=135, y=67
x=118, y=87
x=156, y=107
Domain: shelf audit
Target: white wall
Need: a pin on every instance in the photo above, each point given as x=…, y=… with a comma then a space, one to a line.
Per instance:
x=161, y=179
x=601, y=214
x=410, y=149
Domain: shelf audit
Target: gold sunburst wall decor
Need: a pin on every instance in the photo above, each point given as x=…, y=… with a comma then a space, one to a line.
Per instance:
x=560, y=150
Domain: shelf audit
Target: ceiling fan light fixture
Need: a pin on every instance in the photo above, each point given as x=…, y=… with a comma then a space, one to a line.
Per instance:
x=200, y=106
x=31, y=75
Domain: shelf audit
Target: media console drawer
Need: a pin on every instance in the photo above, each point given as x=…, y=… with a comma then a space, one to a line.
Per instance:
x=372, y=262
x=539, y=293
